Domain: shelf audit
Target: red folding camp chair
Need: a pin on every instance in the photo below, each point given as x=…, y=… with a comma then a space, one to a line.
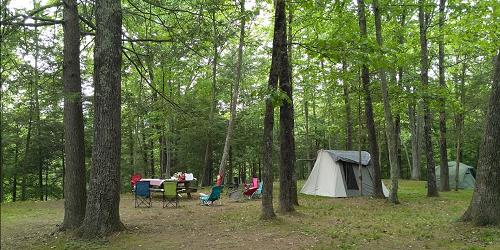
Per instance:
x=134, y=179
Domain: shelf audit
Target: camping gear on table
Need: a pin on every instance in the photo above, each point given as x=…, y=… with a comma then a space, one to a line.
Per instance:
x=142, y=194
x=466, y=175
x=336, y=174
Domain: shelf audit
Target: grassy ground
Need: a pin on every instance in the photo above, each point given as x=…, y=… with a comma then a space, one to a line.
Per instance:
x=319, y=223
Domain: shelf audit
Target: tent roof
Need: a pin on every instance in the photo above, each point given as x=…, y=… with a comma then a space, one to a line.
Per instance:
x=350, y=156
x=451, y=164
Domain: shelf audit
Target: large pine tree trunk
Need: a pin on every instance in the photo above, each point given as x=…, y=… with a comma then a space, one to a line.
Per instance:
x=74, y=148
x=234, y=99
x=424, y=68
x=370, y=122
x=389, y=122
x=485, y=205
x=287, y=140
x=102, y=215
x=443, y=152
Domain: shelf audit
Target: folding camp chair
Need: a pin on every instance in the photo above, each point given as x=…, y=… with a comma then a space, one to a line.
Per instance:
x=170, y=197
x=258, y=193
x=214, y=196
x=142, y=194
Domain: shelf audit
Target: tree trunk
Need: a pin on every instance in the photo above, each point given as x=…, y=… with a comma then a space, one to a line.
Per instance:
x=459, y=119
x=443, y=152
x=415, y=147
x=347, y=103
x=16, y=166
x=102, y=215
x=234, y=99
x=74, y=149
x=151, y=157
x=485, y=204
x=293, y=190
x=267, y=147
x=389, y=122
x=208, y=162
x=424, y=68
x=287, y=140
x=370, y=123
x=38, y=154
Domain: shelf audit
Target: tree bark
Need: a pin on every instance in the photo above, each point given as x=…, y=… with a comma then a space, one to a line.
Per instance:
x=370, y=123
x=424, y=68
x=287, y=140
x=267, y=147
x=74, y=149
x=293, y=190
x=389, y=122
x=459, y=119
x=102, y=215
x=234, y=99
x=485, y=204
x=443, y=152
x=414, y=138
x=208, y=162
x=348, y=113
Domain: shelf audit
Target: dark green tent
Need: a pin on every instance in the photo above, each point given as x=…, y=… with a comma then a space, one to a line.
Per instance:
x=466, y=177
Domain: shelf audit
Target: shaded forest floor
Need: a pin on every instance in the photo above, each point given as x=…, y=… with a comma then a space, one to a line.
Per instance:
x=319, y=223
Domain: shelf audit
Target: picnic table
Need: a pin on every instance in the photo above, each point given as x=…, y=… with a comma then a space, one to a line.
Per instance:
x=156, y=185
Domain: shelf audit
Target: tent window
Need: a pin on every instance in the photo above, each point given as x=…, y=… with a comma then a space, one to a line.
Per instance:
x=349, y=176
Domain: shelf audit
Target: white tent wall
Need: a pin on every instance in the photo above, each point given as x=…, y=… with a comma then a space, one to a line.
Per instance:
x=325, y=178
x=328, y=178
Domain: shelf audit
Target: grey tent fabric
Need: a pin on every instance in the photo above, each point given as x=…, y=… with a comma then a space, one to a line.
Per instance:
x=466, y=177
x=350, y=156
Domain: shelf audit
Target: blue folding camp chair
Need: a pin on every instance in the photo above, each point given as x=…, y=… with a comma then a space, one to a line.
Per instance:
x=214, y=196
x=142, y=194
x=257, y=194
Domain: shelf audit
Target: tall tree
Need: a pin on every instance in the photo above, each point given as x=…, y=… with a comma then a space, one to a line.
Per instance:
x=236, y=87
x=443, y=152
x=347, y=103
x=459, y=123
x=74, y=148
x=208, y=162
x=423, y=19
x=287, y=139
x=389, y=122
x=102, y=215
x=370, y=122
x=485, y=204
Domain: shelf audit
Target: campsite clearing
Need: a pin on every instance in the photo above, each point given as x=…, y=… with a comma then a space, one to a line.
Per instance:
x=320, y=223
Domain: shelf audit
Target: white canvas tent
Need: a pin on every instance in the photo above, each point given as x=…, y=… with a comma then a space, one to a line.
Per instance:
x=336, y=174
